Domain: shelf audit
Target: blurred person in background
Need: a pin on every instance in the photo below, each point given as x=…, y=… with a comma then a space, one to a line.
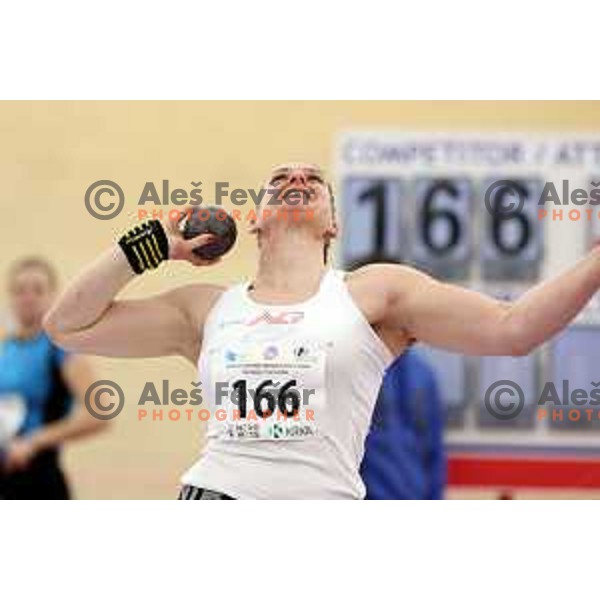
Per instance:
x=38, y=382
x=404, y=451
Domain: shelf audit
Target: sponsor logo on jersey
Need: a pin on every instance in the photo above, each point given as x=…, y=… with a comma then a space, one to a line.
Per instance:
x=277, y=318
x=270, y=352
x=301, y=351
x=231, y=356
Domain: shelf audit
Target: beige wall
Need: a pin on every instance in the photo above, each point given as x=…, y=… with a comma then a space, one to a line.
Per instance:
x=50, y=152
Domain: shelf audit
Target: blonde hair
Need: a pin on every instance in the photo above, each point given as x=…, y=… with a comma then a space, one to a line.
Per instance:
x=34, y=262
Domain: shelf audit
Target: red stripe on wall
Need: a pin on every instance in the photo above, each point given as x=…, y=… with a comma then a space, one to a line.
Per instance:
x=523, y=472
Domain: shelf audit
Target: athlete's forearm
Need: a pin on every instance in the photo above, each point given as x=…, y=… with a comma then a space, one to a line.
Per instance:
x=90, y=294
x=550, y=306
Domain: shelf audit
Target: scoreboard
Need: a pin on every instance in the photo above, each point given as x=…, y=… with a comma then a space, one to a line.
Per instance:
x=429, y=222
x=497, y=212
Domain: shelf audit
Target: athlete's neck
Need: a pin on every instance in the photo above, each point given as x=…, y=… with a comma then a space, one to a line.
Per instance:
x=290, y=265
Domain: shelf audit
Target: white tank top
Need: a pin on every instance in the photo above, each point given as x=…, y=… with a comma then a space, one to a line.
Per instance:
x=311, y=372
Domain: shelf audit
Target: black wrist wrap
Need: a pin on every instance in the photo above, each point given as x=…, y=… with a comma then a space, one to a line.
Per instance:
x=145, y=246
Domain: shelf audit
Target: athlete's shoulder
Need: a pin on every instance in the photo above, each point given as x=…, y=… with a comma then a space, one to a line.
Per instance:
x=193, y=302
x=379, y=276
x=367, y=285
x=195, y=296
x=382, y=289
x=197, y=290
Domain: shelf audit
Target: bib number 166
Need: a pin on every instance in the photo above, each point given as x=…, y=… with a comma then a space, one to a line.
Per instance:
x=266, y=398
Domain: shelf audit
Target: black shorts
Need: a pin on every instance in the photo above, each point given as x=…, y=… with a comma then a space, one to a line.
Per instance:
x=189, y=492
x=42, y=480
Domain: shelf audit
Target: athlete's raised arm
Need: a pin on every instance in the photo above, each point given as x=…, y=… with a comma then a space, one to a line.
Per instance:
x=463, y=320
x=87, y=317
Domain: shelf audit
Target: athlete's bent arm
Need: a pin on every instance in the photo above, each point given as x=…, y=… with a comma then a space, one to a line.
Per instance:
x=88, y=319
x=466, y=321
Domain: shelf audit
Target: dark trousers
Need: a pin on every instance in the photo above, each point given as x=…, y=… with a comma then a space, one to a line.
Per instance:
x=43, y=479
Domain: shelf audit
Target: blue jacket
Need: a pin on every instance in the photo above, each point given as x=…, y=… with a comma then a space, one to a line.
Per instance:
x=404, y=453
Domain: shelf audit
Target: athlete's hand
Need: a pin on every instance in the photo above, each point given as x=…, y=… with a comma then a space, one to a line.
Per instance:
x=19, y=453
x=181, y=249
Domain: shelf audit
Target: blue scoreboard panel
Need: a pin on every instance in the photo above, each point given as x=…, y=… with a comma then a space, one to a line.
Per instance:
x=571, y=398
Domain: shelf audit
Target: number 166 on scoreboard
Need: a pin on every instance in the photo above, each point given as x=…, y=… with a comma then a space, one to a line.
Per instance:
x=436, y=224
